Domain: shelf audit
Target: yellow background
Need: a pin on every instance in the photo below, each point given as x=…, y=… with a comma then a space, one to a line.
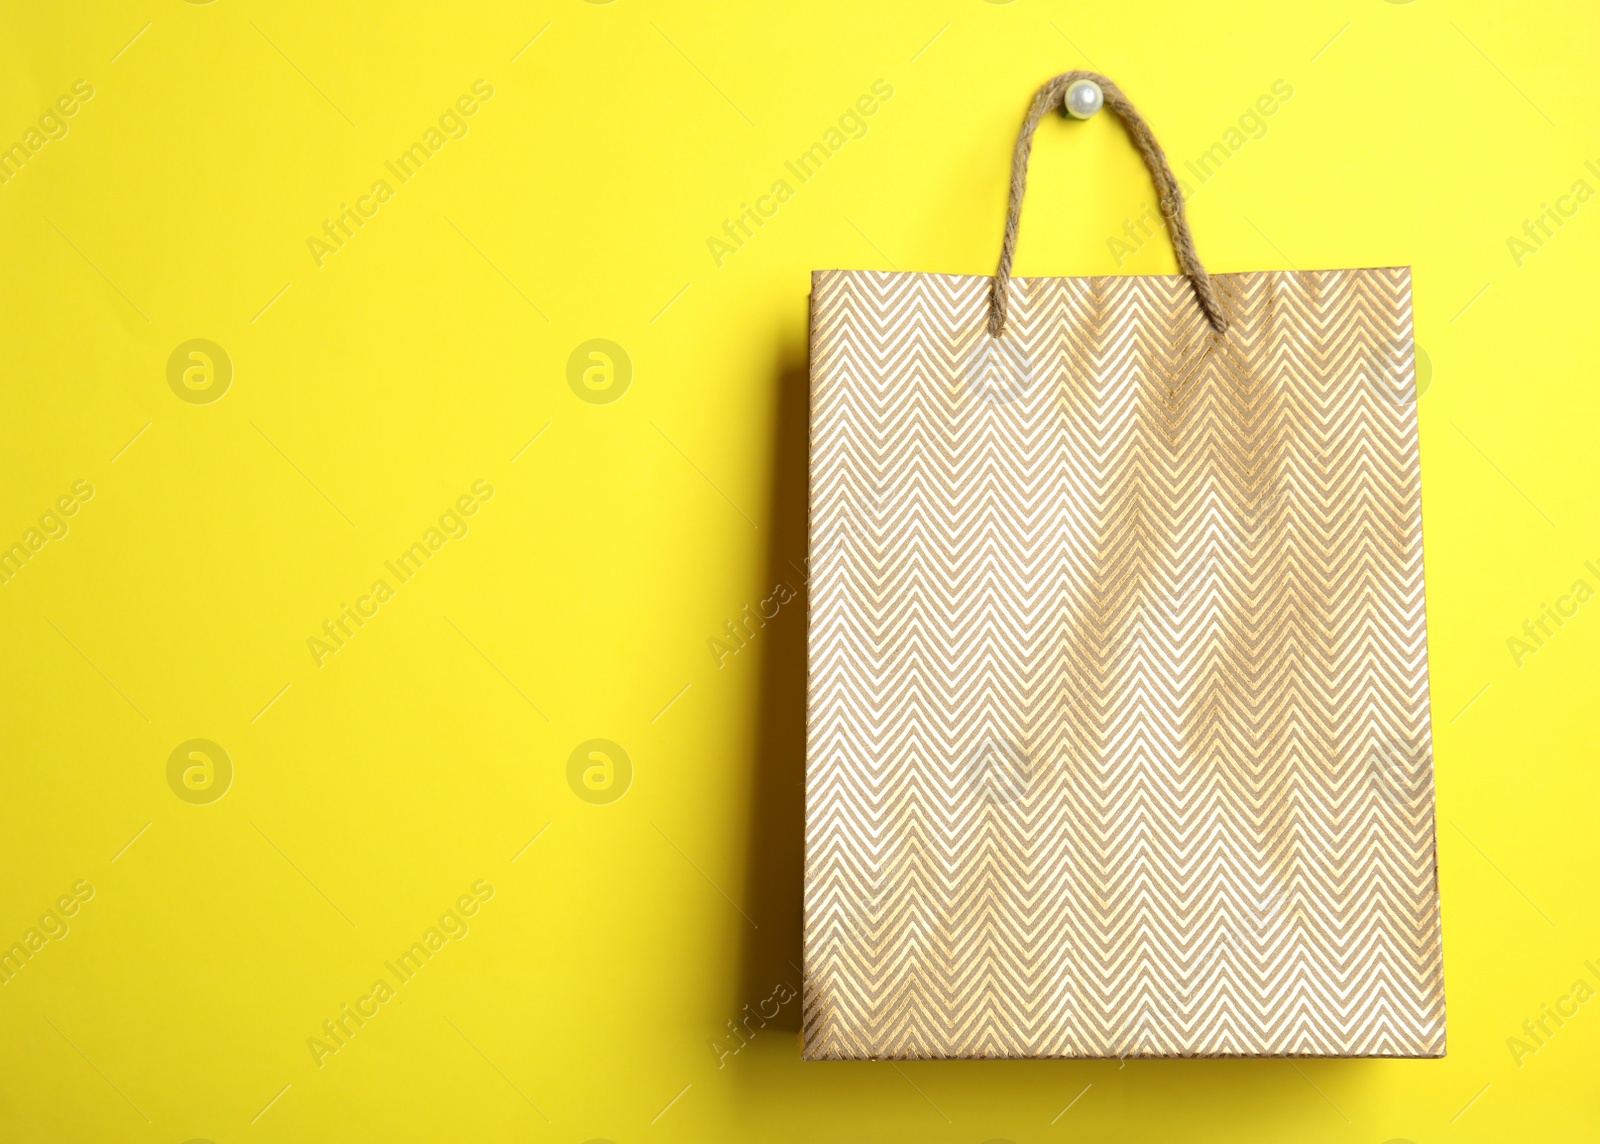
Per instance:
x=429, y=351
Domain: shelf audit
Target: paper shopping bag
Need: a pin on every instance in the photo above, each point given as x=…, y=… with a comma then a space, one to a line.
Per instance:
x=1118, y=730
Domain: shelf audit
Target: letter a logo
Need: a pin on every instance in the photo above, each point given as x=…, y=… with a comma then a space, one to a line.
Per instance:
x=599, y=771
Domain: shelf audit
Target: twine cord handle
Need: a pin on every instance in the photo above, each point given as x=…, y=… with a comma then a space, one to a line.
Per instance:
x=1050, y=96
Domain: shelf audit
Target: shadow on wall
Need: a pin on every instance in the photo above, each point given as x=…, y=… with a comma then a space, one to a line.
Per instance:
x=775, y=853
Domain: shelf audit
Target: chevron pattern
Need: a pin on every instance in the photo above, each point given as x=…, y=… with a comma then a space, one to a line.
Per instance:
x=1118, y=730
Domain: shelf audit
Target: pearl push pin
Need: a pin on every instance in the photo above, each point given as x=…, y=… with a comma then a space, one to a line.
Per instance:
x=1083, y=99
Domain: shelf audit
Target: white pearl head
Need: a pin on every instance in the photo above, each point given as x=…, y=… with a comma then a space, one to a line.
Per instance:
x=1084, y=98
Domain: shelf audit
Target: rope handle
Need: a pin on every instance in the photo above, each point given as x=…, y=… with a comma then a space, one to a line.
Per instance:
x=1054, y=94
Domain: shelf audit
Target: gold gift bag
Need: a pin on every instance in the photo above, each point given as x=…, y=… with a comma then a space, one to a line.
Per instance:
x=1118, y=737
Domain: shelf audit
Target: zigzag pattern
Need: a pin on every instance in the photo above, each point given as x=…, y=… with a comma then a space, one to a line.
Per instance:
x=1118, y=726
